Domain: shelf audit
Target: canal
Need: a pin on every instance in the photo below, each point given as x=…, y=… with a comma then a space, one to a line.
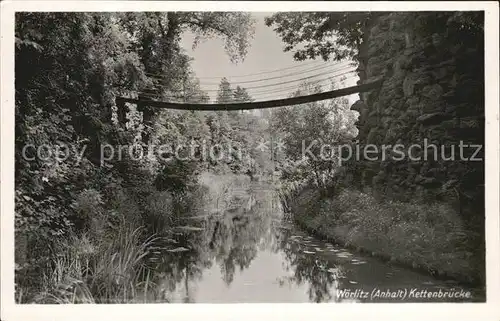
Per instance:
x=249, y=251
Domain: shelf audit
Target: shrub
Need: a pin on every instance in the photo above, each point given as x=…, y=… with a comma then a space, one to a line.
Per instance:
x=159, y=210
x=431, y=236
x=90, y=213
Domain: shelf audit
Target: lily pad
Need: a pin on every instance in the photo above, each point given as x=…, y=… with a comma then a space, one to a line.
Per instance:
x=308, y=252
x=178, y=249
x=353, y=282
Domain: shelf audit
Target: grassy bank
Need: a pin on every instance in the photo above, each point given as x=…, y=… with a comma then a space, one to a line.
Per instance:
x=85, y=271
x=429, y=237
x=109, y=261
x=104, y=262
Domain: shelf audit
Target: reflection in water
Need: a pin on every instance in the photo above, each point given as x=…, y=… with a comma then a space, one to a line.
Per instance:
x=230, y=240
x=274, y=261
x=313, y=271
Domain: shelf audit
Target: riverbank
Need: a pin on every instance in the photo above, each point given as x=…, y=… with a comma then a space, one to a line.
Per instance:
x=426, y=237
x=112, y=260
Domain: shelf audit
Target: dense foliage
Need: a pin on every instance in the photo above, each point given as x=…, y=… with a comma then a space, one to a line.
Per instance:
x=430, y=91
x=311, y=136
x=85, y=224
x=69, y=69
x=328, y=35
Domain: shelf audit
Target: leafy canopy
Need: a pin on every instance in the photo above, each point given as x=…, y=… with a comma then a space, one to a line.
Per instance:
x=335, y=35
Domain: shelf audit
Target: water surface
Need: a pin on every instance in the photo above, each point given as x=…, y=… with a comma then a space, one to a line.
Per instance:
x=251, y=252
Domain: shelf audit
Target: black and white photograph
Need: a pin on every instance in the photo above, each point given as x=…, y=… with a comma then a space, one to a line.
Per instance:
x=226, y=156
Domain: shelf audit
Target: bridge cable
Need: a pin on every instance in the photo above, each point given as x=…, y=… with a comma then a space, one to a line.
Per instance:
x=120, y=101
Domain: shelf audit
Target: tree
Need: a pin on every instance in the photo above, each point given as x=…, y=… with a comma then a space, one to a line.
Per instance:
x=156, y=36
x=311, y=134
x=339, y=35
x=80, y=63
x=335, y=35
x=225, y=93
x=241, y=95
